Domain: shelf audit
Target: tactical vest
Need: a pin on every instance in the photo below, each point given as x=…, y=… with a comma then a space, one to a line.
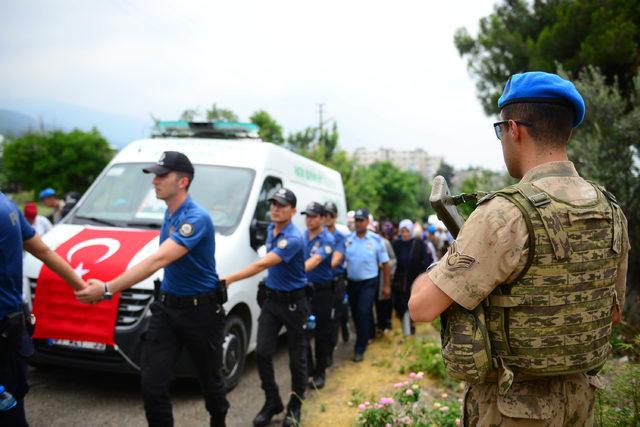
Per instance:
x=555, y=317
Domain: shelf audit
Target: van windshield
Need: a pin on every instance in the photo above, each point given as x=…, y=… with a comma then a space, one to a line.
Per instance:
x=124, y=197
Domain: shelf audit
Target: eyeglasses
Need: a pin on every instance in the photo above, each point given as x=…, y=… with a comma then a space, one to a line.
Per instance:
x=497, y=126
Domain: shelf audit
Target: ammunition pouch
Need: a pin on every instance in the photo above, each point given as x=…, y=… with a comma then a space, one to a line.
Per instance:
x=466, y=349
x=221, y=291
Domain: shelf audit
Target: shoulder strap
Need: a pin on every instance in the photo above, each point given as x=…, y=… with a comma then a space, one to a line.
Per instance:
x=550, y=219
x=618, y=227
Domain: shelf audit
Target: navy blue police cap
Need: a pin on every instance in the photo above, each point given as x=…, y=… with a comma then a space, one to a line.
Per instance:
x=313, y=208
x=284, y=196
x=538, y=86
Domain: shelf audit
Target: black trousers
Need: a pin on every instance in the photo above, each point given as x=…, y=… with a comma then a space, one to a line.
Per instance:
x=341, y=317
x=200, y=330
x=323, y=307
x=293, y=316
x=13, y=376
x=384, y=308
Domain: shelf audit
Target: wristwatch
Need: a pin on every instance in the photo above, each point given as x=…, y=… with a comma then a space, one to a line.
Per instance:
x=107, y=294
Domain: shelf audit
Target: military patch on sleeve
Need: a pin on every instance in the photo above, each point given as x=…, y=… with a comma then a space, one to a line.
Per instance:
x=327, y=249
x=282, y=243
x=457, y=260
x=186, y=229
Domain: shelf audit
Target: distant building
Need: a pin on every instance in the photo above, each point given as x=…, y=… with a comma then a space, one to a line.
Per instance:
x=416, y=160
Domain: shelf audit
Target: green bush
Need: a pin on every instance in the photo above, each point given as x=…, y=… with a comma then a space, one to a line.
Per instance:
x=426, y=356
x=619, y=404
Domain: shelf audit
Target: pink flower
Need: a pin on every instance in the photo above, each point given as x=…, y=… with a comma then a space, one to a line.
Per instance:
x=409, y=392
x=419, y=375
x=387, y=425
x=412, y=375
x=362, y=407
x=377, y=406
x=386, y=400
x=458, y=422
x=444, y=409
x=398, y=385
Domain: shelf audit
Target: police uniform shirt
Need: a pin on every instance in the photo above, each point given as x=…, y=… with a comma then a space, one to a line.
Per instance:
x=339, y=241
x=288, y=275
x=364, y=255
x=14, y=229
x=321, y=245
x=492, y=247
x=194, y=273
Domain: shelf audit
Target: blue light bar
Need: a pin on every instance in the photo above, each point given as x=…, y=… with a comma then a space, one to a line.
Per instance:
x=217, y=129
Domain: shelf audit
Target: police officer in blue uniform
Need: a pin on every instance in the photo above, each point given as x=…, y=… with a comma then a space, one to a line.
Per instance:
x=17, y=235
x=319, y=245
x=285, y=304
x=340, y=304
x=188, y=311
x=365, y=252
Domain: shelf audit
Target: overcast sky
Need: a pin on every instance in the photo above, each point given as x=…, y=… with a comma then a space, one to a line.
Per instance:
x=387, y=72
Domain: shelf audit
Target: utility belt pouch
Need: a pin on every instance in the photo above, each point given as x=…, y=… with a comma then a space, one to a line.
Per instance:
x=221, y=291
x=156, y=289
x=262, y=294
x=11, y=331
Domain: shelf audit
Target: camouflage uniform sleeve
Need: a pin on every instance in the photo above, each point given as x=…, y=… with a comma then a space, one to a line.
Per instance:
x=491, y=249
x=623, y=264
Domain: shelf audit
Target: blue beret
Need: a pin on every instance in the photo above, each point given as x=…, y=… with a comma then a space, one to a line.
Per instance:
x=47, y=192
x=537, y=86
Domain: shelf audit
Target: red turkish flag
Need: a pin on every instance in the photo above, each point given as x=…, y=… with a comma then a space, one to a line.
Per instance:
x=95, y=253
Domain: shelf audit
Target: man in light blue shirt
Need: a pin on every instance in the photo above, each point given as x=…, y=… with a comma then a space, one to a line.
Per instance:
x=364, y=253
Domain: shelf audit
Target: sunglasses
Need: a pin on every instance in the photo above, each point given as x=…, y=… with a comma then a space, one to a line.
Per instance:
x=497, y=126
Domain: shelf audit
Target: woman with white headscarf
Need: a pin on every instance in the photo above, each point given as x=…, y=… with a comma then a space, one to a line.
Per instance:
x=412, y=260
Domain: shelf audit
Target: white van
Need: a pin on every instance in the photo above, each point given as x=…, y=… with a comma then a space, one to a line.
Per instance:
x=235, y=173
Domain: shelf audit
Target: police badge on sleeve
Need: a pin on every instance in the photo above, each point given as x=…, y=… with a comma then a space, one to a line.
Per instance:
x=186, y=229
x=282, y=243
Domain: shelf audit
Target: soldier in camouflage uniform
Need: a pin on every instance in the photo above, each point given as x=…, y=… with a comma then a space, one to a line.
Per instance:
x=536, y=278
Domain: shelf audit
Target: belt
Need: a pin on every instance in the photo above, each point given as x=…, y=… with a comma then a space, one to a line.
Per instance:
x=286, y=297
x=175, y=301
x=322, y=285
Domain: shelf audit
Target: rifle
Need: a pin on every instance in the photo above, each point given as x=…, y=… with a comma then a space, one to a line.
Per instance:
x=445, y=204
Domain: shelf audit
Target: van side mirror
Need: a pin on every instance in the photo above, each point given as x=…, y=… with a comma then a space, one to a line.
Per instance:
x=258, y=233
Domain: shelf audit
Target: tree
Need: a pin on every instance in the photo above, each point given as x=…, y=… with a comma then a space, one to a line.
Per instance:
x=270, y=130
x=215, y=113
x=521, y=36
x=66, y=161
x=300, y=142
x=605, y=149
x=446, y=170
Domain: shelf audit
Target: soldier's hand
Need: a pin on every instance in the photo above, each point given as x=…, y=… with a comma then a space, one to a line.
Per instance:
x=92, y=294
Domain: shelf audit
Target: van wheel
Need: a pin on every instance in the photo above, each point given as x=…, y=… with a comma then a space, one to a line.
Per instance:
x=234, y=351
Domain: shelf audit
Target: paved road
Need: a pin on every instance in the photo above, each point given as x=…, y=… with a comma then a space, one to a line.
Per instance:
x=61, y=397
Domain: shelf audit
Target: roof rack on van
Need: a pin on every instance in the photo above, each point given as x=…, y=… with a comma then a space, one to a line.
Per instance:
x=217, y=129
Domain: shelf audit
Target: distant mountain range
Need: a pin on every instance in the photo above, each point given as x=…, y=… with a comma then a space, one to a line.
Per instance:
x=18, y=116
